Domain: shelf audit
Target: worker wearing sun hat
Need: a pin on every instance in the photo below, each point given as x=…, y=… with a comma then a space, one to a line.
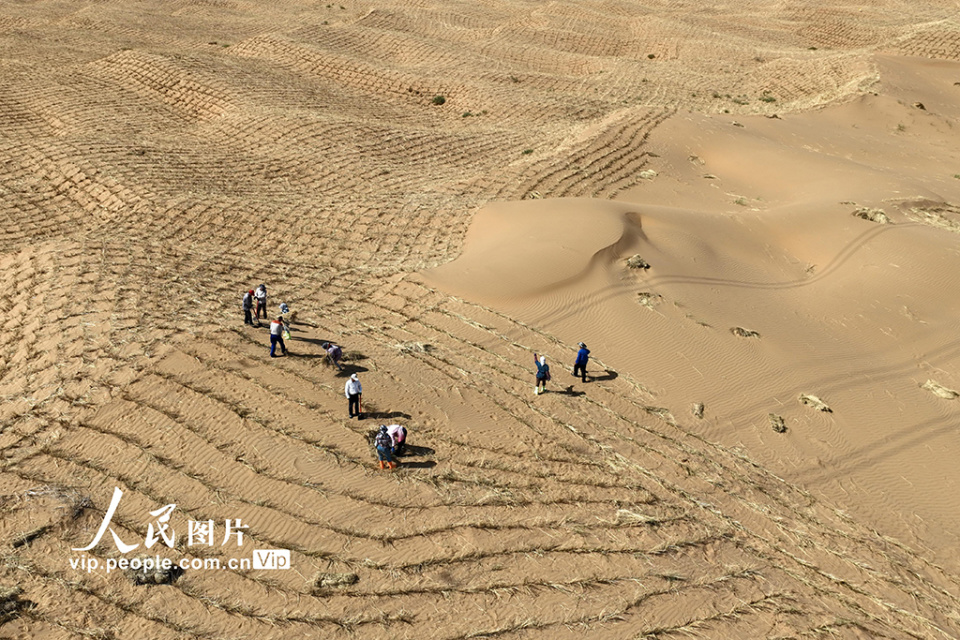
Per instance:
x=543, y=374
x=352, y=390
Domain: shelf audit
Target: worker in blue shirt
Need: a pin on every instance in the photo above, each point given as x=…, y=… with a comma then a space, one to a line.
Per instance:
x=580, y=364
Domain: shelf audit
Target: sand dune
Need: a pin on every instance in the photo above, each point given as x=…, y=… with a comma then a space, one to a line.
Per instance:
x=841, y=305
x=157, y=159
x=858, y=318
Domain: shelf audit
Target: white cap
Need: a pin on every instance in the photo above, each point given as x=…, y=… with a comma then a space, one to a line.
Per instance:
x=353, y=377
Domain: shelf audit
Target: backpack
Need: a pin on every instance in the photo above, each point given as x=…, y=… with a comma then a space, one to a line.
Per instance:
x=546, y=372
x=383, y=440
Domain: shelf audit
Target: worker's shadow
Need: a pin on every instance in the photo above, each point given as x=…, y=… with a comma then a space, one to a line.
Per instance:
x=413, y=450
x=420, y=464
x=609, y=374
x=385, y=415
x=306, y=356
x=570, y=392
x=350, y=369
x=316, y=341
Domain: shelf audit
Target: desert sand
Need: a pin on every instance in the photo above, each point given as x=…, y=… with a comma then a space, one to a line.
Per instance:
x=788, y=174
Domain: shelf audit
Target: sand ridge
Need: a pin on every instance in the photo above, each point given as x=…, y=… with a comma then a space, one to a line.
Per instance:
x=159, y=158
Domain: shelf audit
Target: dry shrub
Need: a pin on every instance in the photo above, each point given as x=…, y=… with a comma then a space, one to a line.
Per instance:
x=73, y=501
x=815, y=402
x=777, y=423
x=939, y=390
x=415, y=347
x=744, y=333
x=10, y=603
x=649, y=300
x=632, y=518
x=324, y=582
x=27, y=537
x=153, y=574
x=873, y=215
x=637, y=262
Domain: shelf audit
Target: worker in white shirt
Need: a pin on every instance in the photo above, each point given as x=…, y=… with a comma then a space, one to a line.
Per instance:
x=261, y=295
x=276, y=335
x=353, y=391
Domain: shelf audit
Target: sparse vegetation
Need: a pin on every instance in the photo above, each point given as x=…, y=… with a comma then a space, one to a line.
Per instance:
x=325, y=582
x=777, y=423
x=873, y=215
x=10, y=603
x=814, y=402
x=27, y=537
x=649, y=300
x=438, y=100
x=148, y=573
x=939, y=390
x=415, y=347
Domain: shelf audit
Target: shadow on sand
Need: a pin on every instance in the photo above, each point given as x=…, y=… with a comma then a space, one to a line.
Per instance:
x=609, y=374
x=385, y=415
x=413, y=450
x=568, y=392
x=421, y=464
x=350, y=369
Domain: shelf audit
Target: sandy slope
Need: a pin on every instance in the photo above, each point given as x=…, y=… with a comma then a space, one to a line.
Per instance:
x=857, y=313
x=158, y=158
